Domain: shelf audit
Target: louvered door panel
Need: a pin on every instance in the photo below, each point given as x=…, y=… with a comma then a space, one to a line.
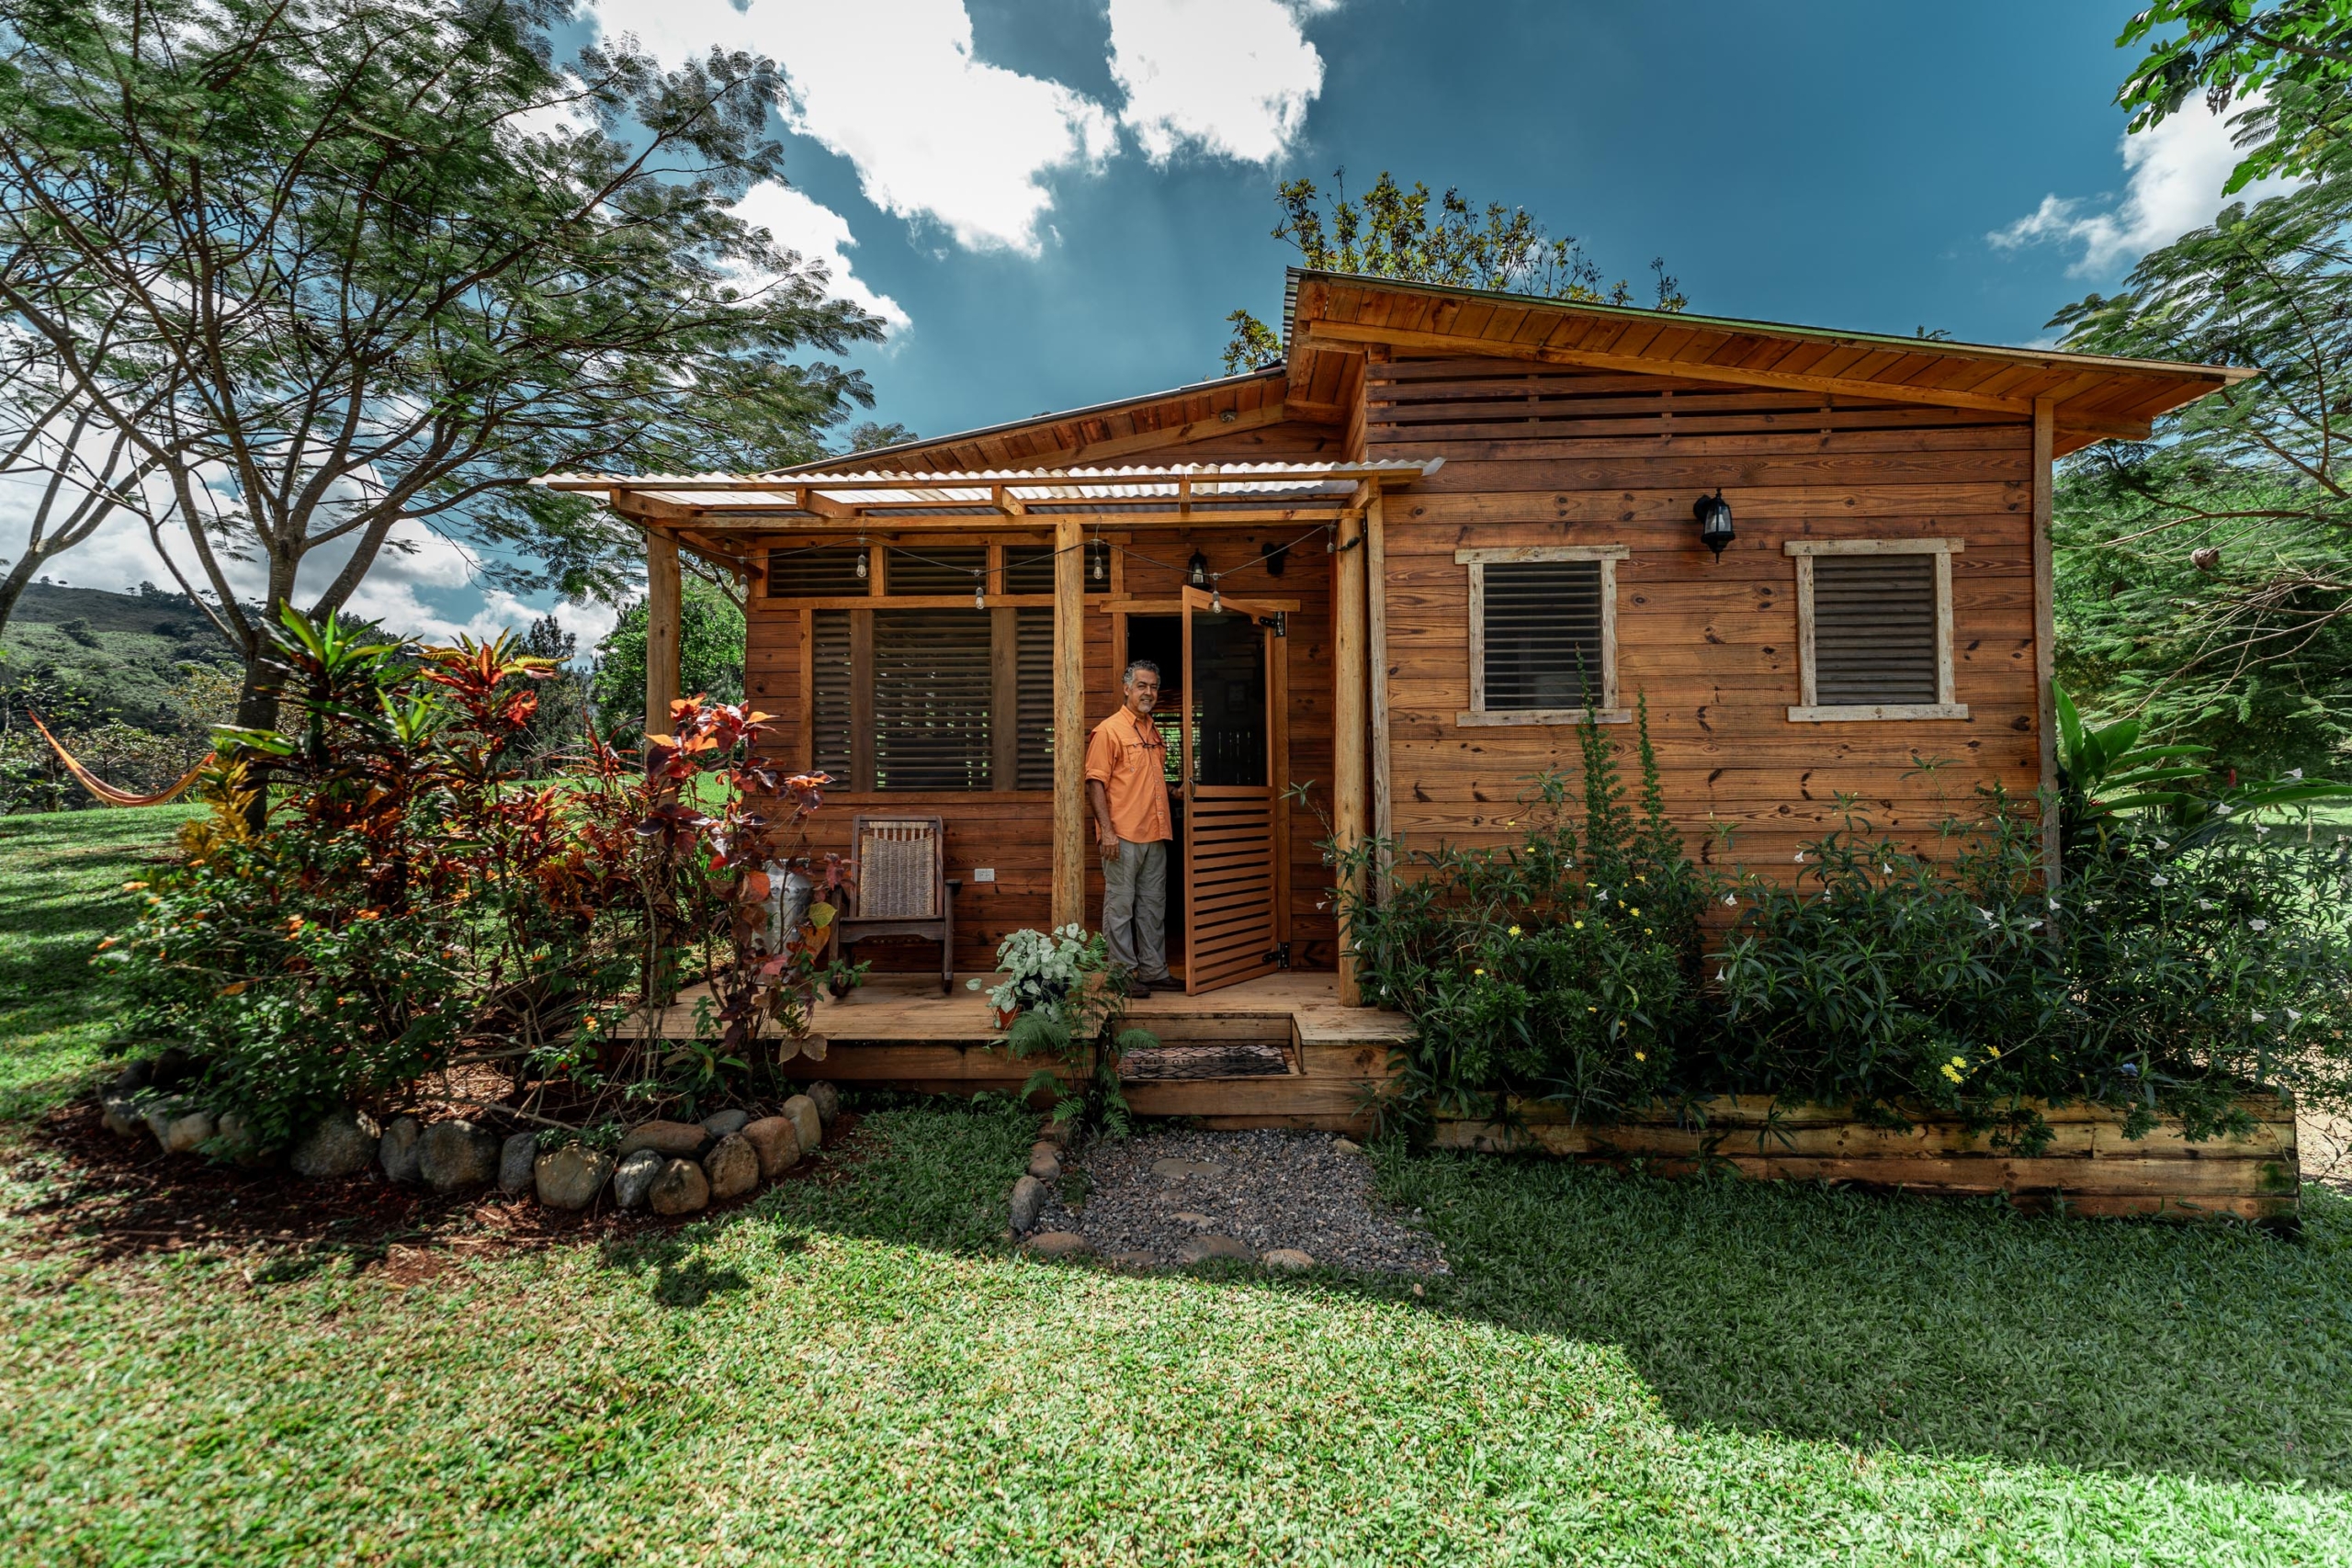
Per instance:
x=1541, y=633
x=933, y=680
x=829, y=693
x=1034, y=661
x=1874, y=630
x=937, y=569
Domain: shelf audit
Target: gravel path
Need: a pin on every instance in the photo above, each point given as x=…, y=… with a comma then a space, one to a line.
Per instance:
x=1267, y=1189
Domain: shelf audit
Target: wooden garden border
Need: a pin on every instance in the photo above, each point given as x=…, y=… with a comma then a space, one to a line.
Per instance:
x=2089, y=1166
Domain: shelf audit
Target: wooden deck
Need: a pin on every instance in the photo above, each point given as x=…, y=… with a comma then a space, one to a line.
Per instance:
x=1279, y=1051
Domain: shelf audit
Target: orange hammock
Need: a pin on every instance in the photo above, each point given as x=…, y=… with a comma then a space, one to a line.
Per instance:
x=107, y=791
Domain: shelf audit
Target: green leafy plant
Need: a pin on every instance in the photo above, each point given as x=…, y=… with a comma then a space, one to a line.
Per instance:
x=1563, y=967
x=1072, y=1005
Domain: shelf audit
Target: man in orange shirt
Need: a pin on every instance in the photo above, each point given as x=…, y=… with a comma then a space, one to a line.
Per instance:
x=1126, y=783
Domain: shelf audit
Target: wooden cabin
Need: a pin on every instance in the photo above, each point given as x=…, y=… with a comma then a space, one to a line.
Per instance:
x=1395, y=569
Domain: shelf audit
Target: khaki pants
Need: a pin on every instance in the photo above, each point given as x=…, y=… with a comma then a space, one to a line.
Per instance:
x=1134, y=908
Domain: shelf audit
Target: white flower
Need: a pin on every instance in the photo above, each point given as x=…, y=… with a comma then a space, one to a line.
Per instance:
x=2163, y=844
x=2053, y=906
x=2160, y=880
x=2204, y=903
x=2262, y=832
x=2258, y=925
x=2259, y=1019
x=1719, y=976
x=1730, y=900
x=1887, y=869
x=2294, y=1017
x=1986, y=913
x=2222, y=810
x=2294, y=772
x=2034, y=927
x=1800, y=857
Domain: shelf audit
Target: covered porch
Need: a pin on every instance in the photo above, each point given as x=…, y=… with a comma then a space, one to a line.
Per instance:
x=942, y=643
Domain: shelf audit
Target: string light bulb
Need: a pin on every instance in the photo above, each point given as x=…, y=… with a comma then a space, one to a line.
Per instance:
x=1099, y=555
x=980, y=598
x=860, y=558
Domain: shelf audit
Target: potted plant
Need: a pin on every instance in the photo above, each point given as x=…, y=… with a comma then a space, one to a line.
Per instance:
x=1039, y=968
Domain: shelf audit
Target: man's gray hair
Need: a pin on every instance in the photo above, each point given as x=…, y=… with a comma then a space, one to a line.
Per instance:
x=1146, y=665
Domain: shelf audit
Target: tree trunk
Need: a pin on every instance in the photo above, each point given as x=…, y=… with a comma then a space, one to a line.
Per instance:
x=12, y=587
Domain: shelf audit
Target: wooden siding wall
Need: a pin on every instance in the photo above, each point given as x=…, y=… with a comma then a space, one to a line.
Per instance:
x=1011, y=830
x=1547, y=456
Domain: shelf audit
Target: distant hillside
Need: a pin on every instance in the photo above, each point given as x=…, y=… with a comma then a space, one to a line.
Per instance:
x=85, y=655
x=173, y=617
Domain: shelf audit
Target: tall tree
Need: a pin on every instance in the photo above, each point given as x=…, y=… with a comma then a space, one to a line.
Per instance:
x=2210, y=569
x=390, y=260
x=1393, y=232
x=2282, y=72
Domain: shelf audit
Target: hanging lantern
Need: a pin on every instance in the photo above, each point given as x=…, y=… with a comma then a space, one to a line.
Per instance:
x=1714, y=514
x=1098, y=561
x=1196, y=570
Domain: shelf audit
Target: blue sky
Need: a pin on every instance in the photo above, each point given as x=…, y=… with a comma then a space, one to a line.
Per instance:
x=1057, y=202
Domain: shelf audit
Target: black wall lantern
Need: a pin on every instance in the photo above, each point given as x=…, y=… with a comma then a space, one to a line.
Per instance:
x=1714, y=514
x=1196, y=570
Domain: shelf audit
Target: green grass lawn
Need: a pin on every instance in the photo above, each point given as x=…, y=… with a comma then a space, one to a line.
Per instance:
x=856, y=1371
x=60, y=892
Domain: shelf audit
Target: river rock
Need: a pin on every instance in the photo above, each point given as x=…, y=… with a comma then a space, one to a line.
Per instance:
x=1187, y=1169
x=159, y=1111
x=634, y=1178
x=827, y=1099
x=187, y=1133
x=122, y=1118
x=396, y=1151
x=134, y=1076
x=570, y=1178
x=733, y=1168
x=1028, y=1197
x=806, y=1122
x=519, y=1159
x=680, y=1189
x=1057, y=1243
x=1286, y=1258
x=452, y=1155
x=719, y=1123
x=1201, y=1248
x=675, y=1140
x=774, y=1139
x=1346, y=1146
x=172, y=1066
x=237, y=1143
x=1045, y=1162
x=343, y=1144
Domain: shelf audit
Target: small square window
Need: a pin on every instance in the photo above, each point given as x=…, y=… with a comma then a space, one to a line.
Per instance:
x=1543, y=635
x=1874, y=629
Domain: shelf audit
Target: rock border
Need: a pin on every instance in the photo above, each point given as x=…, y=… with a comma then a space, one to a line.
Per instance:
x=673, y=1169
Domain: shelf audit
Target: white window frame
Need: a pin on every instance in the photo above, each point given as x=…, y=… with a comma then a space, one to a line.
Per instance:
x=1478, y=561
x=1811, y=710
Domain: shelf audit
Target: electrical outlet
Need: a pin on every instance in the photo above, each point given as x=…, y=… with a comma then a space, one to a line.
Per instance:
x=984, y=873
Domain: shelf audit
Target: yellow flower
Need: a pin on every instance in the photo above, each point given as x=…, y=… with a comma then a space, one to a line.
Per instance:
x=1641, y=1056
x=134, y=888
x=1514, y=930
x=1593, y=1010
x=1579, y=925
x=1951, y=1072
x=1637, y=911
x=1477, y=971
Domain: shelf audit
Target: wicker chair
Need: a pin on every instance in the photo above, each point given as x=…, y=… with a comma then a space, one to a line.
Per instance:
x=903, y=888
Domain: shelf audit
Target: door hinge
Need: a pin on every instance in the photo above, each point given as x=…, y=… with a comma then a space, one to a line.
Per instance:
x=1280, y=621
x=1280, y=956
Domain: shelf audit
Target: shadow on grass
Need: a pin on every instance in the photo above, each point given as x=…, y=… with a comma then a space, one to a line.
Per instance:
x=1882, y=1323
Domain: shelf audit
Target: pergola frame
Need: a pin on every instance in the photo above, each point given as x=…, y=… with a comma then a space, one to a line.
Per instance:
x=707, y=514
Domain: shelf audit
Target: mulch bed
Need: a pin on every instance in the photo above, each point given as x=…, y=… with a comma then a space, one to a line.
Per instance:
x=114, y=1199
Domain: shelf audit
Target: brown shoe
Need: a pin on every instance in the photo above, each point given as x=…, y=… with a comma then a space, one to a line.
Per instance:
x=1137, y=991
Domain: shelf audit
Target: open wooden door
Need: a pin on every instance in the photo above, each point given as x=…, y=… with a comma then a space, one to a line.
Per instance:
x=1231, y=758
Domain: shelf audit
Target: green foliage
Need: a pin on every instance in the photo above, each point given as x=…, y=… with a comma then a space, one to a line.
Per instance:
x=385, y=261
x=1563, y=967
x=2202, y=581
x=2177, y=969
x=2289, y=62
x=1072, y=1007
x=1393, y=232
x=407, y=897
x=710, y=658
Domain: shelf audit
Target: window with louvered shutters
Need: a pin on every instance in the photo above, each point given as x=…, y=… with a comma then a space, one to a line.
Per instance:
x=1029, y=568
x=830, y=688
x=1034, y=661
x=936, y=568
x=820, y=571
x=1543, y=635
x=932, y=677
x=1873, y=630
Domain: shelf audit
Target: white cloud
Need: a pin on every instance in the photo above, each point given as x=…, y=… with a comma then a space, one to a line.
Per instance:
x=2173, y=172
x=1232, y=78
x=893, y=86
x=821, y=235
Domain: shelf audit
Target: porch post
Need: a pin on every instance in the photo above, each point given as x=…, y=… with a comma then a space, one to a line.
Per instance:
x=1069, y=722
x=661, y=612
x=1348, y=748
x=2045, y=628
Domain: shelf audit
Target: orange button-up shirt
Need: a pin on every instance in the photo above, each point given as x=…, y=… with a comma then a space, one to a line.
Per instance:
x=1130, y=759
